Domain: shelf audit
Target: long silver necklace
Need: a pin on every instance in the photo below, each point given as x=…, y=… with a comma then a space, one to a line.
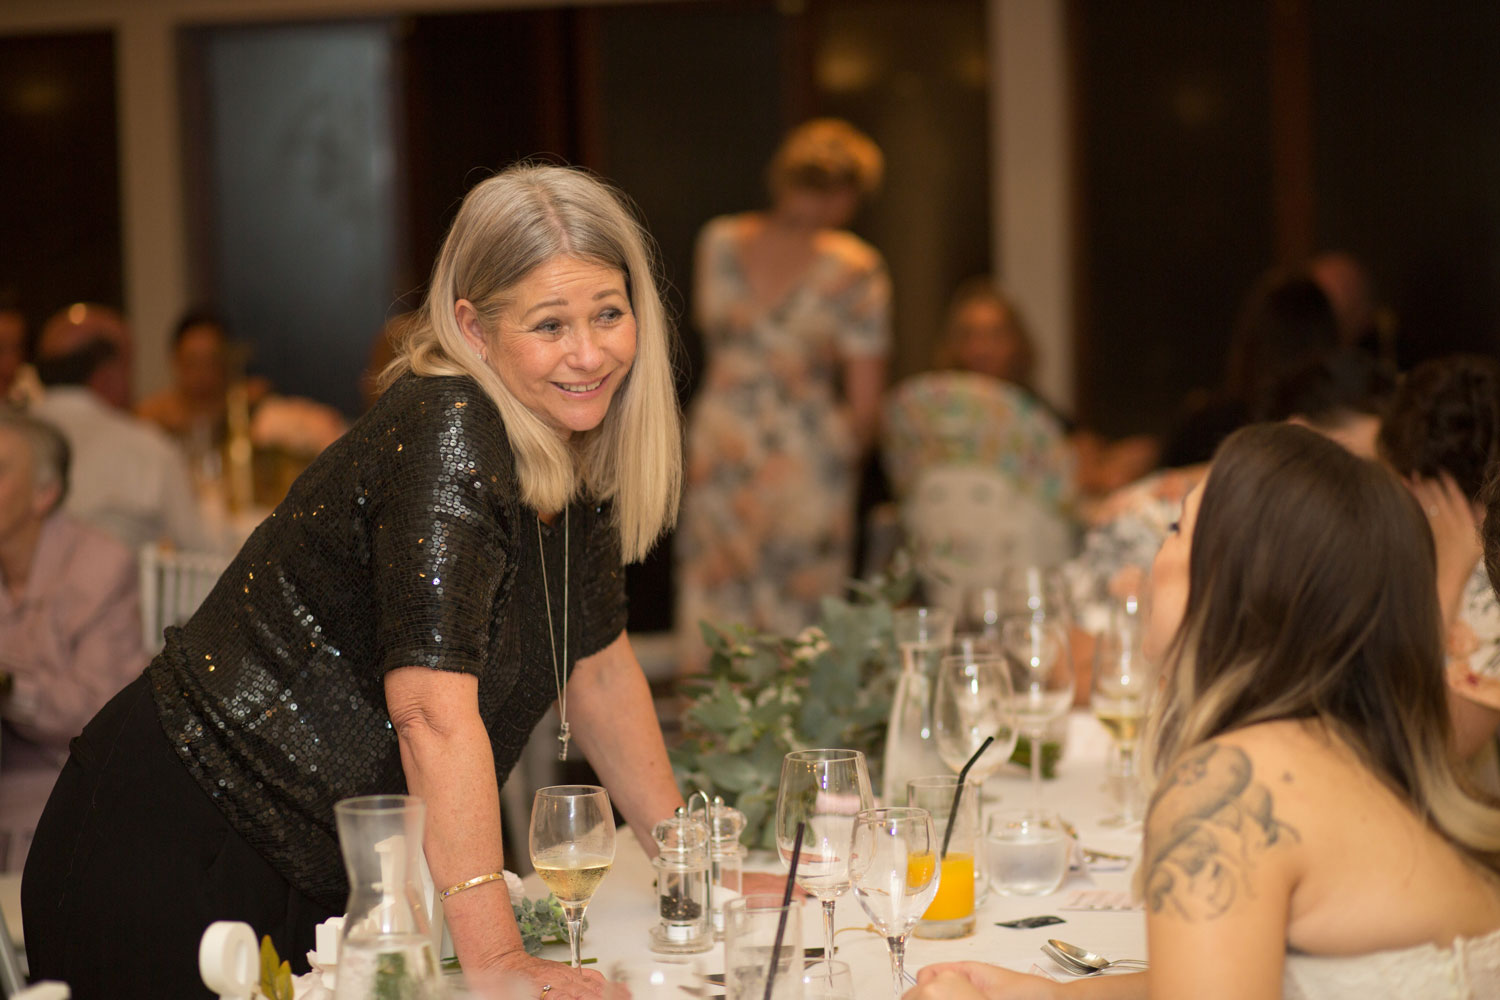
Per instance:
x=559, y=674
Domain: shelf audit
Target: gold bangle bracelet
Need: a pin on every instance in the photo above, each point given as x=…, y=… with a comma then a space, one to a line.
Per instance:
x=471, y=883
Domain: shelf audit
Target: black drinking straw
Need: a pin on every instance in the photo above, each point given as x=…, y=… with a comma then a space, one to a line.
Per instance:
x=786, y=900
x=958, y=791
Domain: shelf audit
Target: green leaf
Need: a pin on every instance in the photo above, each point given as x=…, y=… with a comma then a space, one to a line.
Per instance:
x=731, y=773
x=284, y=989
x=720, y=712
x=269, y=960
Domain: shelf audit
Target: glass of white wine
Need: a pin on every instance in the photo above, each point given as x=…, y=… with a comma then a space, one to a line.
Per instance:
x=1123, y=686
x=572, y=847
x=1036, y=651
x=893, y=866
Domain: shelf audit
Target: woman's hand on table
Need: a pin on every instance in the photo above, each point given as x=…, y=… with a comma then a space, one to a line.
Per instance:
x=979, y=981
x=519, y=976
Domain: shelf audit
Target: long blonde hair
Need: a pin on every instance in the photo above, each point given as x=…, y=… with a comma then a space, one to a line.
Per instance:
x=506, y=227
x=1311, y=595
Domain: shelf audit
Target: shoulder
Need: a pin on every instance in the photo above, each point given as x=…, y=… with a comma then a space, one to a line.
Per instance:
x=1219, y=827
x=722, y=230
x=432, y=403
x=82, y=550
x=851, y=252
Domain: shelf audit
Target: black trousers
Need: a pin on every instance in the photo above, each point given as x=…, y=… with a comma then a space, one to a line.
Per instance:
x=132, y=861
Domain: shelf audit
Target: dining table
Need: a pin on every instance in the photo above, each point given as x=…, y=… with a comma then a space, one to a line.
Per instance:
x=1094, y=902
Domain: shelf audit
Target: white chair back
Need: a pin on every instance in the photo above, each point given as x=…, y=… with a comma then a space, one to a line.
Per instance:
x=966, y=523
x=173, y=584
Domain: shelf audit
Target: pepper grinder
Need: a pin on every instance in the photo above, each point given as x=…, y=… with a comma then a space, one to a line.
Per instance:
x=681, y=886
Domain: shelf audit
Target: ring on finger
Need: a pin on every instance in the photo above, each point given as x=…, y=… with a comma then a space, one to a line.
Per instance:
x=546, y=989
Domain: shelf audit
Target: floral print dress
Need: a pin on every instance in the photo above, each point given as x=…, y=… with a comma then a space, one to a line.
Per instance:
x=767, y=523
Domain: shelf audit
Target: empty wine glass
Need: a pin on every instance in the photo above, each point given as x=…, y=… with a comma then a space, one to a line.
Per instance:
x=1036, y=652
x=825, y=790
x=975, y=701
x=893, y=868
x=572, y=847
x=1123, y=686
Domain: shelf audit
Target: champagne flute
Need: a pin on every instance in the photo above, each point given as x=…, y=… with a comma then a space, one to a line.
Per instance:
x=826, y=790
x=893, y=868
x=1123, y=686
x=1037, y=653
x=572, y=847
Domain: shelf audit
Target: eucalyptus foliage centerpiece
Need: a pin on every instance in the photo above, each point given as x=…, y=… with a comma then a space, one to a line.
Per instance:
x=764, y=696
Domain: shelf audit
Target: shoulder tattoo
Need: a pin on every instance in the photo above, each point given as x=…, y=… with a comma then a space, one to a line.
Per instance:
x=1211, y=823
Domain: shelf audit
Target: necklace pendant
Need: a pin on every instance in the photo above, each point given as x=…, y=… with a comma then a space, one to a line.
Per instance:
x=563, y=736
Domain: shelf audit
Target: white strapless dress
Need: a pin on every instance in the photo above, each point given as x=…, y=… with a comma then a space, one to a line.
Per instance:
x=1469, y=970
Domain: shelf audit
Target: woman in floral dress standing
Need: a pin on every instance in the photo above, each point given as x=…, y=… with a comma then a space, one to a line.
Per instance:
x=795, y=315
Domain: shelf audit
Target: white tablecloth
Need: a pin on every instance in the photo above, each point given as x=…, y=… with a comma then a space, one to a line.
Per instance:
x=623, y=910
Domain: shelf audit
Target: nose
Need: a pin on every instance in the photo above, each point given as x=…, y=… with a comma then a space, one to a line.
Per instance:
x=584, y=350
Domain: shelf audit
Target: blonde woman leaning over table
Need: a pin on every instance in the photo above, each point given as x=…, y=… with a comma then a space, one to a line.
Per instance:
x=390, y=627
x=1309, y=836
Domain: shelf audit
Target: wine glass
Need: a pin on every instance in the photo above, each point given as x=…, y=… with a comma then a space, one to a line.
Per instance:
x=1123, y=686
x=1036, y=652
x=975, y=700
x=572, y=847
x=825, y=790
x=893, y=868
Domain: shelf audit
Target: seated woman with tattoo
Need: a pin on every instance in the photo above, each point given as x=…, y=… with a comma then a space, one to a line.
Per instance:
x=1310, y=836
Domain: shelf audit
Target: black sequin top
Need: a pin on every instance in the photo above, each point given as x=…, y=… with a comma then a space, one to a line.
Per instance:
x=405, y=543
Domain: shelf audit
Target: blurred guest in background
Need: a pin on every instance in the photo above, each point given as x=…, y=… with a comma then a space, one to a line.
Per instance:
x=1343, y=398
x=70, y=624
x=128, y=478
x=986, y=334
x=1285, y=323
x=1442, y=435
x=795, y=317
x=17, y=378
x=192, y=408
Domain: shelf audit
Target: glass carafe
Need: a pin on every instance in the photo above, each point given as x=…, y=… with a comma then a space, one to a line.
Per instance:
x=923, y=635
x=387, y=951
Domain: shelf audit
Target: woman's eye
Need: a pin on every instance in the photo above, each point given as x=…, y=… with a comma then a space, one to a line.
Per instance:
x=549, y=326
x=611, y=315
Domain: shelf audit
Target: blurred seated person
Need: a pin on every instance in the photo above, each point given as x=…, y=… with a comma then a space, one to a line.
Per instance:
x=127, y=476
x=192, y=408
x=1285, y=323
x=18, y=384
x=986, y=334
x=70, y=624
x=1442, y=436
x=1343, y=398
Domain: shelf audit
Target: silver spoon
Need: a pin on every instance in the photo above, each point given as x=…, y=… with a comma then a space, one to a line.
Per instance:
x=1083, y=962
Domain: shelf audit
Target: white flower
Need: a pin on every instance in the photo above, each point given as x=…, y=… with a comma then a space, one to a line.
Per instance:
x=516, y=887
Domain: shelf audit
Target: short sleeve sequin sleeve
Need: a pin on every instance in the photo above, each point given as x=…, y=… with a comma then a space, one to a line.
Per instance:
x=439, y=539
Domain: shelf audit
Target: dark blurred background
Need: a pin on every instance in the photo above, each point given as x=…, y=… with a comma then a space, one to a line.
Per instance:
x=323, y=155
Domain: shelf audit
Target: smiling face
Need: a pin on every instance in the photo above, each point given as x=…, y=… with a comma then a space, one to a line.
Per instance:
x=1169, y=579
x=565, y=343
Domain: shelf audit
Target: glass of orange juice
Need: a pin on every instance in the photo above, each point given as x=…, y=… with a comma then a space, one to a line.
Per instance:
x=951, y=913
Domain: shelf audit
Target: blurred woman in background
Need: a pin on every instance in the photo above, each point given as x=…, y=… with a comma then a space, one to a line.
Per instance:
x=794, y=312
